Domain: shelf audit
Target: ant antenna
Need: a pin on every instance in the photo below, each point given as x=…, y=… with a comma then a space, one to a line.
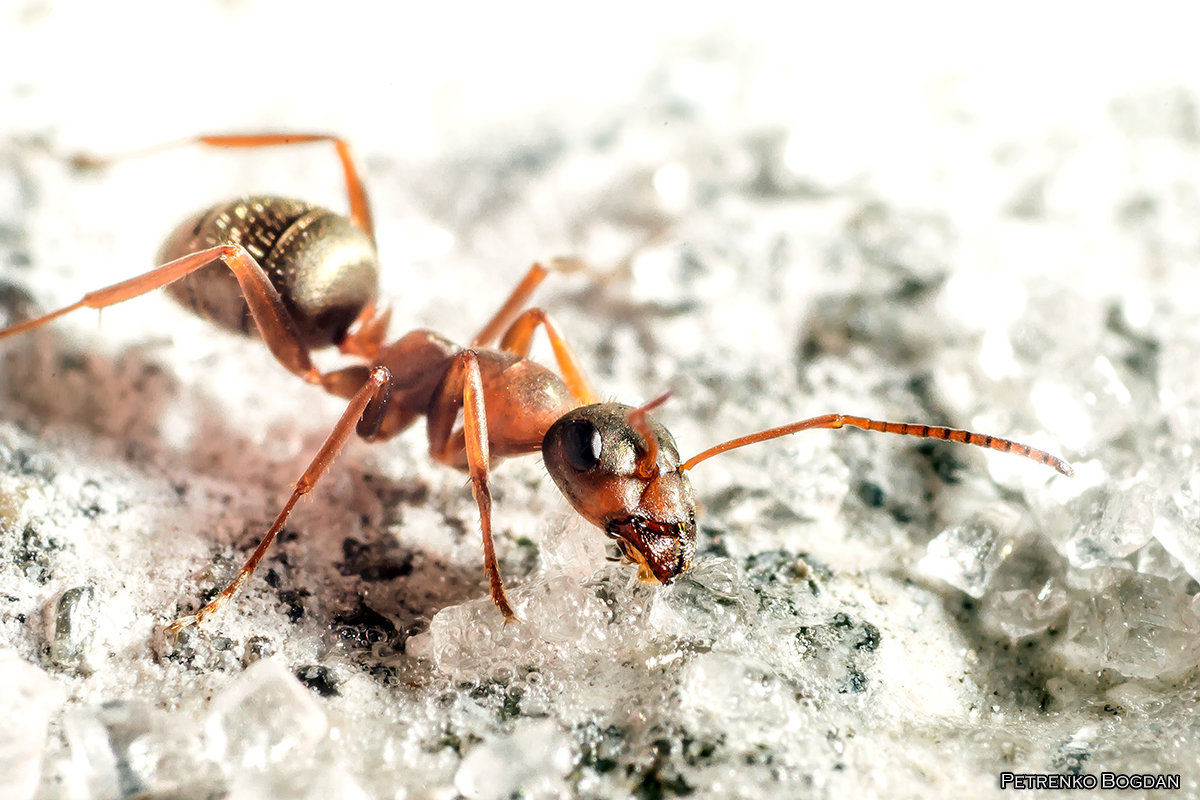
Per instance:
x=647, y=463
x=901, y=428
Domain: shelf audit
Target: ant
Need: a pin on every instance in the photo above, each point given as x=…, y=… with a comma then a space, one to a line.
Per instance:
x=304, y=277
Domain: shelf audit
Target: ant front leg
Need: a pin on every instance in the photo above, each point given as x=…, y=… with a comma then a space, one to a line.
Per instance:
x=375, y=390
x=519, y=326
x=464, y=384
x=519, y=337
x=520, y=295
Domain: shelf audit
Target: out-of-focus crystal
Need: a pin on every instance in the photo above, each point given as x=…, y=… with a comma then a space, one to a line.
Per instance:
x=1177, y=529
x=812, y=491
x=128, y=749
x=531, y=761
x=1179, y=382
x=27, y=700
x=1108, y=400
x=734, y=690
x=1060, y=409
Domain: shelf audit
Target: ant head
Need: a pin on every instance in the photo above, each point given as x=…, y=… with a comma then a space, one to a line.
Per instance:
x=619, y=468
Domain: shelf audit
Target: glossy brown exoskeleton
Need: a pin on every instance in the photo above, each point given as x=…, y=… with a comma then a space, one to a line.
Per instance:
x=304, y=277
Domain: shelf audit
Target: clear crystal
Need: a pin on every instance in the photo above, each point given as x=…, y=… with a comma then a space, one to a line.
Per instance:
x=265, y=721
x=1112, y=523
x=1028, y=592
x=558, y=617
x=706, y=604
x=570, y=545
x=1140, y=626
x=965, y=555
x=1018, y=613
x=71, y=629
x=303, y=781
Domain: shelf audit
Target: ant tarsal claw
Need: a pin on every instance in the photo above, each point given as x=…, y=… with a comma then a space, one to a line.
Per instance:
x=177, y=627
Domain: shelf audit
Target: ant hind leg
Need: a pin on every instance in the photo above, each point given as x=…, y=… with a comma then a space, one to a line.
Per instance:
x=375, y=389
x=266, y=306
x=360, y=206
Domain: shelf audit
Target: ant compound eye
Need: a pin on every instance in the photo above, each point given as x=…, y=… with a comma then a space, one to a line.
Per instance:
x=581, y=444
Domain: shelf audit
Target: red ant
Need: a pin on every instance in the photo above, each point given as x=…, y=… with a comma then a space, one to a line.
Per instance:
x=305, y=277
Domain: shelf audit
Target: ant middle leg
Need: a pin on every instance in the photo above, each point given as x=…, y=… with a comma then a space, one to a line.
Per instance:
x=374, y=391
x=463, y=382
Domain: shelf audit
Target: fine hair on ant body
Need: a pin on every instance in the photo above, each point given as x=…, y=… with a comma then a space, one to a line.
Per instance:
x=304, y=277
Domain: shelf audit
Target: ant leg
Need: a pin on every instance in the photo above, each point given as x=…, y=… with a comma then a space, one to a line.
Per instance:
x=375, y=389
x=520, y=296
x=518, y=338
x=463, y=380
x=360, y=207
x=901, y=428
x=367, y=333
x=511, y=307
x=273, y=321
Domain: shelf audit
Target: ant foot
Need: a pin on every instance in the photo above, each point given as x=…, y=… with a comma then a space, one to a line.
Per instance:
x=173, y=630
x=87, y=161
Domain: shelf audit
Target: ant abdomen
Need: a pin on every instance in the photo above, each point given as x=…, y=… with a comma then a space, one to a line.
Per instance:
x=322, y=264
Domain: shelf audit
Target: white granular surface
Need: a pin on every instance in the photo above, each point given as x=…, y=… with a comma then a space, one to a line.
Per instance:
x=913, y=215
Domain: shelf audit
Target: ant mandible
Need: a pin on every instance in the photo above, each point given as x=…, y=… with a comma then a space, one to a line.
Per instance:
x=305, y=278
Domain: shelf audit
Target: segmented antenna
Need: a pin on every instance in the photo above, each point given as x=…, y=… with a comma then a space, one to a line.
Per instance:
x=900, y=428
